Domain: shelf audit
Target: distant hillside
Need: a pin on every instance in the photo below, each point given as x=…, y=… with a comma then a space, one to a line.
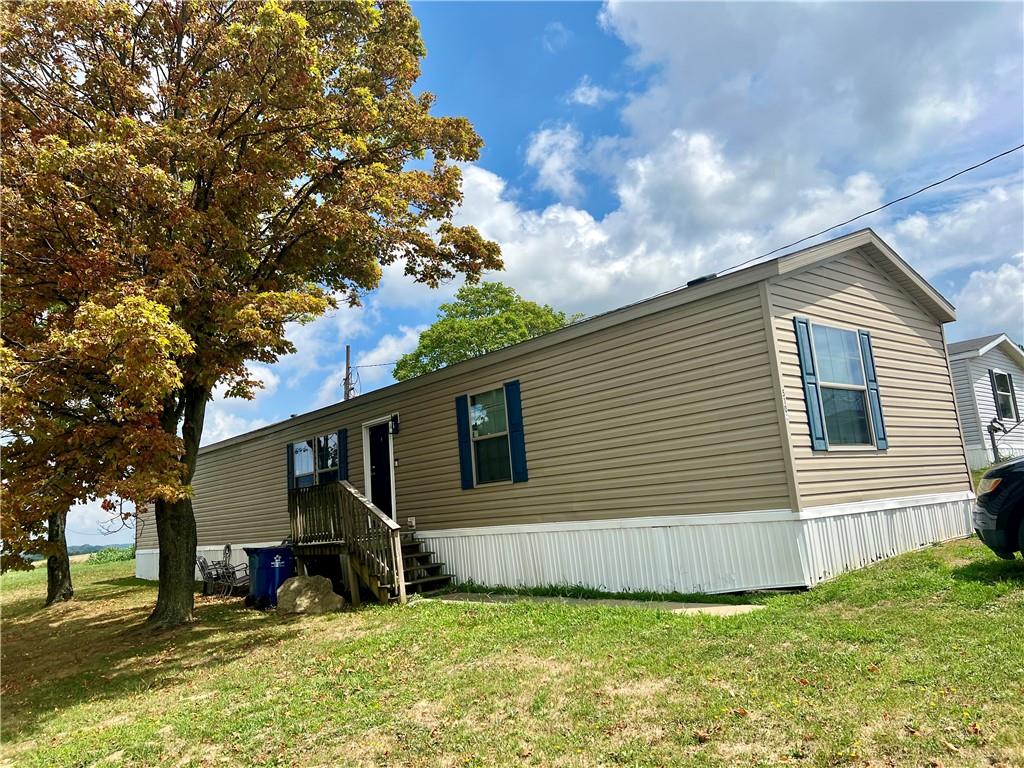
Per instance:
x=88, y=549
x=83, y=549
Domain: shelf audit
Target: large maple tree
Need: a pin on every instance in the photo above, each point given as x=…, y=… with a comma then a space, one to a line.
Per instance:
x=244, y=164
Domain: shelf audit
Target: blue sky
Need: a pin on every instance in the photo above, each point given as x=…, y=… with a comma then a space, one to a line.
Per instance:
x=632, y=146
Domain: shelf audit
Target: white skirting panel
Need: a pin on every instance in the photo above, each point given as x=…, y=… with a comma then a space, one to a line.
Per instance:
x=147, y=561
x=702, y=553
x=687, y=553
x=835, y=543
x=665, y=555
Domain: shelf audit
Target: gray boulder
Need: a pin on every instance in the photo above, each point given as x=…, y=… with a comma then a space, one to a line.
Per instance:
x=308, y=594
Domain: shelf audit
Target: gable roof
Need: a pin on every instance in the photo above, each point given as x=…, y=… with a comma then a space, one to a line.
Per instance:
x=979, y=346
x=863, y=241
x=882, y=256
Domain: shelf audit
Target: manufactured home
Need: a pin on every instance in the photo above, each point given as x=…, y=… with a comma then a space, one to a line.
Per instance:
x=988, y=378
x=768, y=427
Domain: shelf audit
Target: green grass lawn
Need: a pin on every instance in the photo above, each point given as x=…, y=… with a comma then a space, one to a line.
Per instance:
x=917, y=661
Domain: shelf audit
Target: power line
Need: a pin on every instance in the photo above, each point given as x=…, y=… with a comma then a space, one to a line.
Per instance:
x=375, y=365
x=875, y=210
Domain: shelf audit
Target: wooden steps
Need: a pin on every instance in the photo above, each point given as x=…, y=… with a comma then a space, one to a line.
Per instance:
x=422, y=572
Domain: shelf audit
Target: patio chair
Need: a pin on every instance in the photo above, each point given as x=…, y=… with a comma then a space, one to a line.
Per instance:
x=211, y=574
x=234, y=576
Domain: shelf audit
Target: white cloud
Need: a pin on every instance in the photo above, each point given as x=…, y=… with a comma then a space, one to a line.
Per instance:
x=685, y=208
x=221, y=423
x=555, y=154
x=979, y=229
x=556, y=37
x=823, y=207
x=992, y=301
x=398, y=290
x=261, y=373
x=319, y=343
x=825, y=81
x=735, y=145
x=589, y=95
x=89, y=523
x=373, y=368
x=230, y=416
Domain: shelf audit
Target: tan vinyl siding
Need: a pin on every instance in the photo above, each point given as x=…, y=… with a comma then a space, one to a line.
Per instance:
x=925, y=452
x=668, y=413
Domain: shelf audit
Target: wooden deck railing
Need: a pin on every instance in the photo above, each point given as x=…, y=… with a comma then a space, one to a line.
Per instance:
x=315, y=514
x=338, y=512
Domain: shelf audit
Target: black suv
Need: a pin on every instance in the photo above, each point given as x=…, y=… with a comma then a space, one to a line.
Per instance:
x=999, y=511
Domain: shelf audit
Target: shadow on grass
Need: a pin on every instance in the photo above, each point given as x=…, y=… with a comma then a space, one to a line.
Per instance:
x=130, y=581
x=84, y=651
x=991, y=571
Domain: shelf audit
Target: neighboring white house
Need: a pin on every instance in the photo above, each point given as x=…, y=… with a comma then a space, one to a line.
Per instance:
x=988, y=375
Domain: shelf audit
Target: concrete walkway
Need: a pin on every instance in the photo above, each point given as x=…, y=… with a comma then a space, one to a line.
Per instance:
x=714, y=609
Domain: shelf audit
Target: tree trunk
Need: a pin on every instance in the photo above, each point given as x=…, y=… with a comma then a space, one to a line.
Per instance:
x=175, y=521
x=58, y=566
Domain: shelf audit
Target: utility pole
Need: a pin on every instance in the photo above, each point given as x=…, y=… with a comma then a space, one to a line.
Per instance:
x=347, y=384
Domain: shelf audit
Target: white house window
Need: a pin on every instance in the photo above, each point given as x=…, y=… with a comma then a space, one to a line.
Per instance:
x=844, y=393
x=1002, y=385
x=488, y=419
x=315, y=460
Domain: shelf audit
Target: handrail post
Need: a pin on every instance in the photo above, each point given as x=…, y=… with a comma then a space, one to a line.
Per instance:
x=399, y=566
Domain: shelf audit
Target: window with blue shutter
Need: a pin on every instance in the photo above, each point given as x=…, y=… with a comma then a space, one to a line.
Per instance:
x=516, y=437
x=844, y=407
x=874, y=399
x=465, y=442
x=812, y=395
x=492, y=445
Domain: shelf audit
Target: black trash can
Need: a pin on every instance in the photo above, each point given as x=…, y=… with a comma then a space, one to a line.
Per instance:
x=269, y=568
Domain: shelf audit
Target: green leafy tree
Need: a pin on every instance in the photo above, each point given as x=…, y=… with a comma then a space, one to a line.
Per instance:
x=244, y=164
x=483, y=318
x=81, y=390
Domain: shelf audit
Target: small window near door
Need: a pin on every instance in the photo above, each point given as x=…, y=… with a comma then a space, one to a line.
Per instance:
x=315, y=461
x=327, y=458
x=844, y=390
x=488, y=418
x=1002, y=387
x=305, y=467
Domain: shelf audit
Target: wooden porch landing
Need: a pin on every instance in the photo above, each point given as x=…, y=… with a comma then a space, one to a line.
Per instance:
x=337, y=520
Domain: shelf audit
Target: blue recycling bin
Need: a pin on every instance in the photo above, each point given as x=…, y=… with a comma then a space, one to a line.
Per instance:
x=269, y=568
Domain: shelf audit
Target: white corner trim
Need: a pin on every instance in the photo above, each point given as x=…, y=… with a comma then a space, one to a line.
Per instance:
x=618, y=523
x=879, y=505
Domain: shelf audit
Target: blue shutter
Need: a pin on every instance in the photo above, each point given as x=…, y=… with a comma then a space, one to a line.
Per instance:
x=343, y=454
x=812, y=393
x=291, y=467
x=516, y=438
x=874, y=401
x=465, y=443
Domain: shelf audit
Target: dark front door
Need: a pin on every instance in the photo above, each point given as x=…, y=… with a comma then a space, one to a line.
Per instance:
x=381, y=468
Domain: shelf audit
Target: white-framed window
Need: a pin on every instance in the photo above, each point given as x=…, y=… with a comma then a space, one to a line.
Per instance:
x=1002, y=390
x=315, y=460
x=843, y=386
x=488, y=425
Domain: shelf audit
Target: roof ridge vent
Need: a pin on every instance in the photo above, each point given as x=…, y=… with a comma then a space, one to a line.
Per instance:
x=702, y=279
